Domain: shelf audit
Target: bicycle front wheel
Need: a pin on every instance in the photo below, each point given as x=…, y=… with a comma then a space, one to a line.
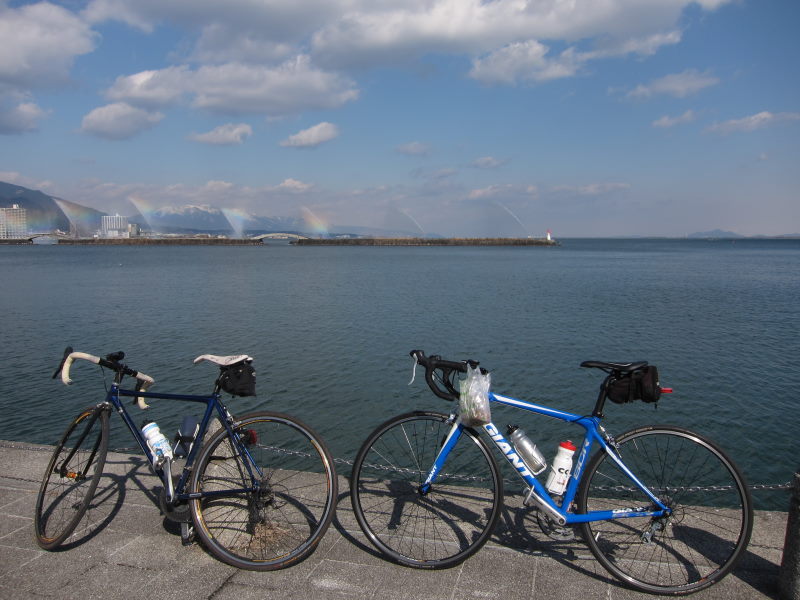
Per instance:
x=437, y=529
x=268, y=497
x=71, y=477
x=711, y=520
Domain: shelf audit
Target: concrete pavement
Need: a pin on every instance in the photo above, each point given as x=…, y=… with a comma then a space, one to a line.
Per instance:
x=126, y=549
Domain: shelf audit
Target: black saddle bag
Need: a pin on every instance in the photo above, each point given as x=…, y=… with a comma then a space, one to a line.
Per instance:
x=238, y=379
x=640, y=385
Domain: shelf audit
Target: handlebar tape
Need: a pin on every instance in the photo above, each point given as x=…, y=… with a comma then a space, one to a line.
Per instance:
x=72, y=357
x=145, y=380
x=431, y=363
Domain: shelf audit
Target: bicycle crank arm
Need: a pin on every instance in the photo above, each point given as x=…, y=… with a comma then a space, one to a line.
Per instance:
x=538, y=501
x=170, y=490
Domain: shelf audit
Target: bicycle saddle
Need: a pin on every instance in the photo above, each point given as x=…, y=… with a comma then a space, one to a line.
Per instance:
x=614, y=366
x=222, y=361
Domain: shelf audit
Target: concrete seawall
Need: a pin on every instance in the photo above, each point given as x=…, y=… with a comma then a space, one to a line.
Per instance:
x=124, y=549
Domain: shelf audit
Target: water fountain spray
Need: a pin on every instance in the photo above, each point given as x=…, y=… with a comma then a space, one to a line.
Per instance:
x=515, y=217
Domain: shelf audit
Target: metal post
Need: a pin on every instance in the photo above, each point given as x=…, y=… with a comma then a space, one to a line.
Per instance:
x=789, y=578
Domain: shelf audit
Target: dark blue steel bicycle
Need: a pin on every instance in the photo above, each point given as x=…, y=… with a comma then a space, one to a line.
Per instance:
x=259, y=489
x=663, y=509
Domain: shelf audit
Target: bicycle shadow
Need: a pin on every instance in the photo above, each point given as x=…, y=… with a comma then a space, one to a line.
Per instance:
x=450, y=513
x=345, y=531
x=109, y=497
x=518, y=529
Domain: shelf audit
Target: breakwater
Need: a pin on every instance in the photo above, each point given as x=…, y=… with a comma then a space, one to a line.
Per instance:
x=425, y=242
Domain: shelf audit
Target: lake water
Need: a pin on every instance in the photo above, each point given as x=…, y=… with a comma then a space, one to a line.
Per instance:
x=330, y=329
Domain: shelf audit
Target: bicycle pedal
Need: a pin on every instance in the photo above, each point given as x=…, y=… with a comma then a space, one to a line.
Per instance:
x=187, y=534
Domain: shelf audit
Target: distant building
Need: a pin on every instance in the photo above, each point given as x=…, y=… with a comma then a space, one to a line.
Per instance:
x=114, y=227
x=13, y=222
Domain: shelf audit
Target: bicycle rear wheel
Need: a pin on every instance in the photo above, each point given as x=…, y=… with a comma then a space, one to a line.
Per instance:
x=712, y=513
x=71, y=477
x=438, y=529
x=276, y=517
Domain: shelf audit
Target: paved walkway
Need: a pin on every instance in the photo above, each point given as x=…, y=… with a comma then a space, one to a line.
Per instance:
x=127, y=550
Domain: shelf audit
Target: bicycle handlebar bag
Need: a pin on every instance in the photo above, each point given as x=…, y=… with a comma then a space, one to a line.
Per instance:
x=640, y=385
x=474, y=398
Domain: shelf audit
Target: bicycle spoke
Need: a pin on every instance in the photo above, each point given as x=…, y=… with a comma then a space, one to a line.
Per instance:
x=435, y=529
x=281, y=515
x=699, y=543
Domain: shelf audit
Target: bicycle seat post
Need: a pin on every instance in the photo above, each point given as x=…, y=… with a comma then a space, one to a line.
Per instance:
x=601, y=396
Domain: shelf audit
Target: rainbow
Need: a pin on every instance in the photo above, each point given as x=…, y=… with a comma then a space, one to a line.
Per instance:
x=84, y=220
x=237, y=218
x=144, y=208
x=314, y=223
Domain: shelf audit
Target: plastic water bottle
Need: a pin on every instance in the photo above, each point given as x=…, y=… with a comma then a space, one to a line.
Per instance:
x=527, y=450
x=156, y=441
x=561, y=469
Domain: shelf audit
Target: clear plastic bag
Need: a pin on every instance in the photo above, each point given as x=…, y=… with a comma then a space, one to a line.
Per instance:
x=474, y=398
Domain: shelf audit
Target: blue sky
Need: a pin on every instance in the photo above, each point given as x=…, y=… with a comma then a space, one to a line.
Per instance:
x=456, y=117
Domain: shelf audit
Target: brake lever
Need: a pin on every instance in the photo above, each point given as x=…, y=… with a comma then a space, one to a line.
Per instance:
x=67, y=352
x=413, y=369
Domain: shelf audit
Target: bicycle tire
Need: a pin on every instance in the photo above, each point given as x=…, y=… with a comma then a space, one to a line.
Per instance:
x=443, y=527
x=283, y=520
x=71, y=478
x=706, y=534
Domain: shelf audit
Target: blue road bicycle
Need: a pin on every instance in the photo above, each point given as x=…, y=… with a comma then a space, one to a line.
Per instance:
x=663, y=509
x=259, y=490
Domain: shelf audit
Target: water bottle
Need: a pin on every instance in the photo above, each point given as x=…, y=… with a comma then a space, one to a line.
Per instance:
x=527, y=450
x=560, y=469
x=158, y=444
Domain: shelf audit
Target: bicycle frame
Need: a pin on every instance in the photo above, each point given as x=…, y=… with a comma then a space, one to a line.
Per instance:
x=593, y=434
x=114, y=398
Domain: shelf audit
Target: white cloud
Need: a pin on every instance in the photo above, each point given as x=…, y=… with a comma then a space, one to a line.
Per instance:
x=343, y=33
x=229, y=134
x=294, y=186
x=220, y=43
x=643, y=46
x=237, y=88
x=273, y=18
x=487, y=162
x=678, y=85
x=119, y=121
x=492, y=191
x=414, y=149
x=753, y=122
x=17, y=115
x=667, y=121
x=591, y=189
x=152, y=89
x=313, y=136
x=371, y=31
x=291, y=88
x=40, y=42
x=19, y=179
x=524, y=61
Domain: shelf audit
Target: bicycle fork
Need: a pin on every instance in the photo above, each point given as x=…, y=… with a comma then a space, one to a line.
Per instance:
x=447, y=445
